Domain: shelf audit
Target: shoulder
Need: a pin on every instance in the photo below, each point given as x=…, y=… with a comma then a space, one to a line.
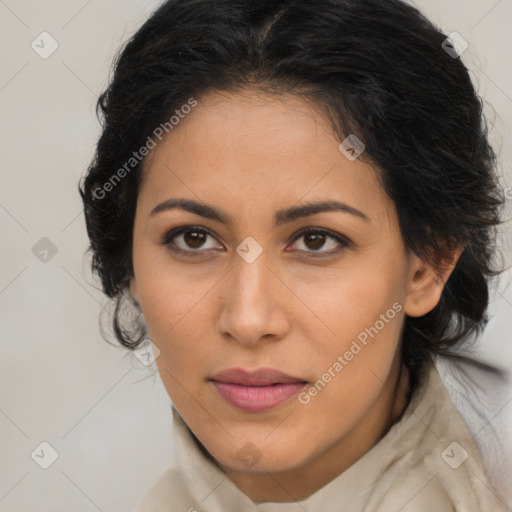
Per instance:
x=434, y=462
x=480, y=392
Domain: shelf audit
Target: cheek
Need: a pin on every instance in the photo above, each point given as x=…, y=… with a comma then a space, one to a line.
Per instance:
x=349, y=301
x=166, y=293
x=362, y=316
x=351, y=371
x=176, y=308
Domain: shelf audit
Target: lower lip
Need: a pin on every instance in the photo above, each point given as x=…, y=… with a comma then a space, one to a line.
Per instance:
x=257, y=398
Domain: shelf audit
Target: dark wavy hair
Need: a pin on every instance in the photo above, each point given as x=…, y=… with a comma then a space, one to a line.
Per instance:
x=378, y=70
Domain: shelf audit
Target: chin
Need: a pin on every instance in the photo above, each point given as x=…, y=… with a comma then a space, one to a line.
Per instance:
x=250, y=459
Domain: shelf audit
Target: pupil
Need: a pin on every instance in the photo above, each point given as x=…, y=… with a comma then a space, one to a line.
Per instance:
x=318, y=241
x=194, y=239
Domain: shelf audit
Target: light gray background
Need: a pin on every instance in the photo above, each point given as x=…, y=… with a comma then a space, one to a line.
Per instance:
x=107, y=415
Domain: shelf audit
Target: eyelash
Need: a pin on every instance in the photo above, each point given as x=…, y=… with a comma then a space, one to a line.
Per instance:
x=341, y=240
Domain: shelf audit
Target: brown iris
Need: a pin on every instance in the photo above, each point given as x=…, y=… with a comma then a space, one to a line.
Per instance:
x=194, y=239
x=318, y=240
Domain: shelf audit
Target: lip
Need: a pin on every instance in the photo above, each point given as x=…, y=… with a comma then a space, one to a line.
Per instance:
x=255, y=391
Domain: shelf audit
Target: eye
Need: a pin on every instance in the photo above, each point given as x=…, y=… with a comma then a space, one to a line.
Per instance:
x=314, y=239
x=193, y=239
x=189, y=239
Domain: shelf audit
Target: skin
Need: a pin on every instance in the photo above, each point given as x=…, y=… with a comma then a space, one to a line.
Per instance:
x=250, y=154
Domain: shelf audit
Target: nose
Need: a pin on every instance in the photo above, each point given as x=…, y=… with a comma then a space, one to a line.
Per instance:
x=254, y=303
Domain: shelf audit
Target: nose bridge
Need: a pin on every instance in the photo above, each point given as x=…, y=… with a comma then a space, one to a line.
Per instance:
x=251, y=299
x=251, y=283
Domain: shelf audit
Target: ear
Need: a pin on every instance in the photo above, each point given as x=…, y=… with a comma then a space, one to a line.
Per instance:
x=426, y=284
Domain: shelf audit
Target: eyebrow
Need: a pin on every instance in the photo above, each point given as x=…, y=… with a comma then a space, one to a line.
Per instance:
x=281, y=216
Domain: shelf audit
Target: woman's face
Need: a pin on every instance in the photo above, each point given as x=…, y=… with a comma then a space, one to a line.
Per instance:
x=243, y=286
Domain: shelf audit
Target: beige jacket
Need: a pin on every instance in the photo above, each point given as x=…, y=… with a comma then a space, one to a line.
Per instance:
x=427, y=462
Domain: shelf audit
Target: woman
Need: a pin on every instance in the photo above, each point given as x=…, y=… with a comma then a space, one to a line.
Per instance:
x=299, y=198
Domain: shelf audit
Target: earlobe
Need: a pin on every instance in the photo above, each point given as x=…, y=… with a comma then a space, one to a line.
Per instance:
x=426, y=283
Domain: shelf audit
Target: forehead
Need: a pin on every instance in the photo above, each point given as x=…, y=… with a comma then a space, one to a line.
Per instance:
x=252, y=149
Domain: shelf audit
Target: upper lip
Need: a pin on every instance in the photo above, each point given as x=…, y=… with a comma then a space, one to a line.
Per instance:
x=259, y=377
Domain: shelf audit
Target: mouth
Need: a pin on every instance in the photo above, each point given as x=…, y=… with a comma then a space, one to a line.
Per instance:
x=256, y=391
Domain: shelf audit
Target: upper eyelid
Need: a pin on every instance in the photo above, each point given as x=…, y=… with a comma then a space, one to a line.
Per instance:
x=172, y=233
x=327, y=232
